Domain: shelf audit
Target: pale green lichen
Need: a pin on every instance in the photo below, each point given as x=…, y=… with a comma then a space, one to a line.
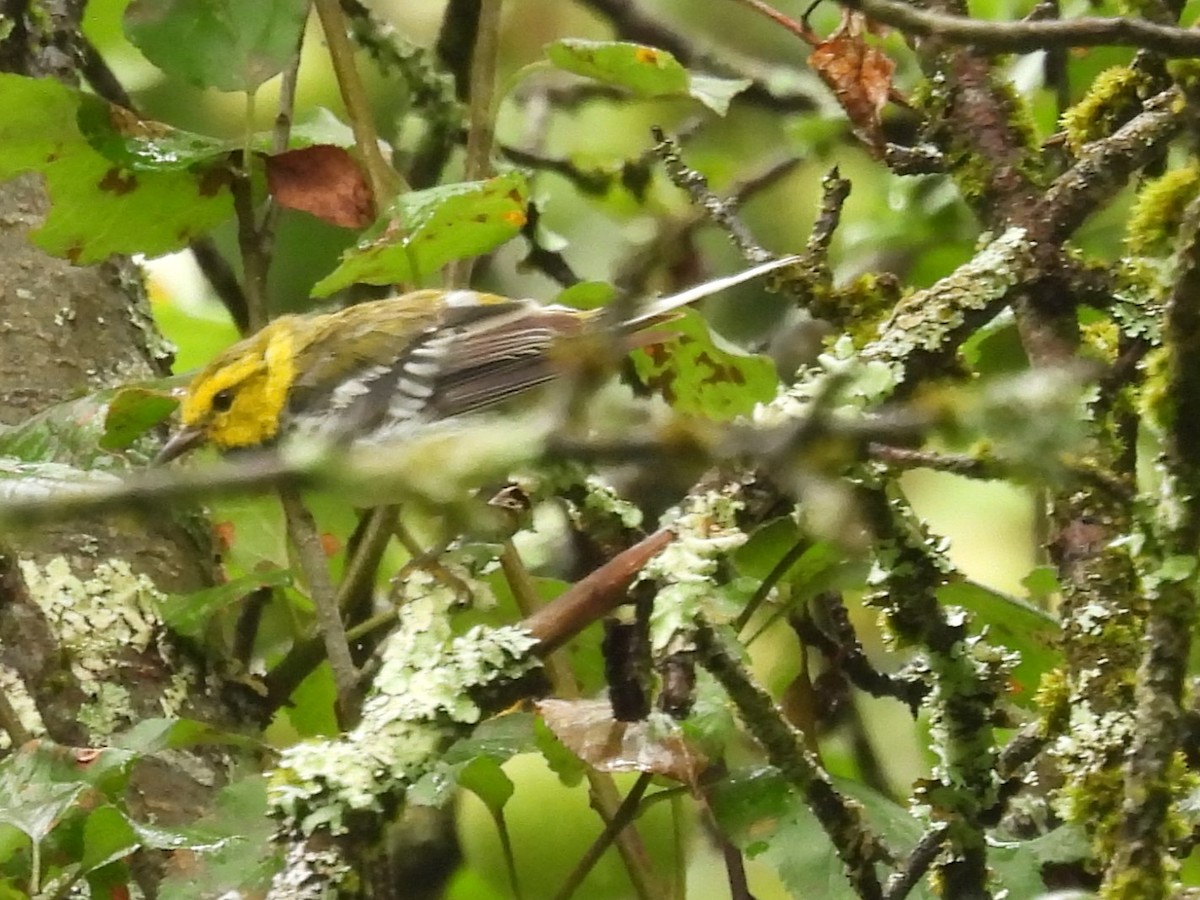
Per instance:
x=1138, y=296
x=22, y=703
x=929, y=319
x=308, y=873
x=421, y=696
x=926, y=322
x=706, y=532
x=99, y=618
x=602, y=497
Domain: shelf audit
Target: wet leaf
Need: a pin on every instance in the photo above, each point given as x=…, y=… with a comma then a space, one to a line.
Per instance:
x=423, y=230
x=656, y=745
x=97, y=206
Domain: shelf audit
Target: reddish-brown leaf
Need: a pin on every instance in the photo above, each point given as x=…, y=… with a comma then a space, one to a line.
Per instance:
x=859, y=74
x=322, y=180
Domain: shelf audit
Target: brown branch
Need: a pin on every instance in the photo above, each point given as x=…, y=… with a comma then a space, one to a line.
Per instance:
x=592, y=597
x=1030, y=35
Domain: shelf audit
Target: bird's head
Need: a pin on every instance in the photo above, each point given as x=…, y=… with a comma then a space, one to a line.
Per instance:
x=238, y=400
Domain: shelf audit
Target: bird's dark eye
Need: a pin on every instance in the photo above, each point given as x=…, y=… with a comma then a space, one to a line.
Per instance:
x=222, y=400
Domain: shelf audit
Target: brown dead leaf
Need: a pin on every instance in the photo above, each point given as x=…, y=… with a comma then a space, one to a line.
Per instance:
x=859, y=74
x=655, y=745
x=322, y=180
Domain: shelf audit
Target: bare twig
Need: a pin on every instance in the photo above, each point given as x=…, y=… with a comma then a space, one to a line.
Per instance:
x=1032, y=34
x=917, y=863
x=385, y=181
x=617, y=814
x=722, y=212
x=302, y=529
x=621, y=819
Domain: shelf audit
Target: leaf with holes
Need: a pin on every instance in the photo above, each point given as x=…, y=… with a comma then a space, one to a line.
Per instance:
x=698, y=375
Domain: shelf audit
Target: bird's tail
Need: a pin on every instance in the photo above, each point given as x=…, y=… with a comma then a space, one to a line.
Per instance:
x=660, y=309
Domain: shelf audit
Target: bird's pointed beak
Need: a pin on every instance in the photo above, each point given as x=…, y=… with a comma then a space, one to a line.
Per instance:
x=179, y=443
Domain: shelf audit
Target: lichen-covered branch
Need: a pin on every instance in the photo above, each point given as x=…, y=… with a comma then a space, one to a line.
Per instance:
x=1154, y=779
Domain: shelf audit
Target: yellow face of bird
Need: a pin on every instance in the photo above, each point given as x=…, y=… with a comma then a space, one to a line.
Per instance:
x=238, y=399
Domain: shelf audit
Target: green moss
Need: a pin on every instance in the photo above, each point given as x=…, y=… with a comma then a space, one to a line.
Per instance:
x=1103, y=337
x=1156, y=404
x=1053, y=701
x=860, y=306
x=1158, y=211
x=1114, y=96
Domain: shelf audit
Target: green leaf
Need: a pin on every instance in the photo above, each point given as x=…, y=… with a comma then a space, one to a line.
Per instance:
x=42, y=784
x=646, y=71
x=1041, y=582
x=474, y=763
x=155, y=735
x=87, y=431
x=107, y=837
x=141, y=145
x=240, y=857
x=716, y=93
x=133, y=412
x=569, y=768
x=698, y=376
x=484, y=778
x=1014, y=624
x=1019, y=864
x=188, y=614
x=230, y=45
x=764, y=816
x=587, y=295
x=423, y=230
x=98, y=207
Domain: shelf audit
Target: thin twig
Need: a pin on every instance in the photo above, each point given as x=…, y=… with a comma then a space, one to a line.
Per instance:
x=722, y=212
x=606, y=799
x=856, y=844
x=302, y=529
x=620, y=820
x=1030, y=35
x=385, y=181
x=481, y=112
x=916, y=864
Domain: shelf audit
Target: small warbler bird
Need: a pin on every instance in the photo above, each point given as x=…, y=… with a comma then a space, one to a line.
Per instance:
x=382, y=370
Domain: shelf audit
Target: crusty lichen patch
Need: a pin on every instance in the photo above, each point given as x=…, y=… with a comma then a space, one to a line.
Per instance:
x=421, y=697
x=99, y=618
x=706, y=532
